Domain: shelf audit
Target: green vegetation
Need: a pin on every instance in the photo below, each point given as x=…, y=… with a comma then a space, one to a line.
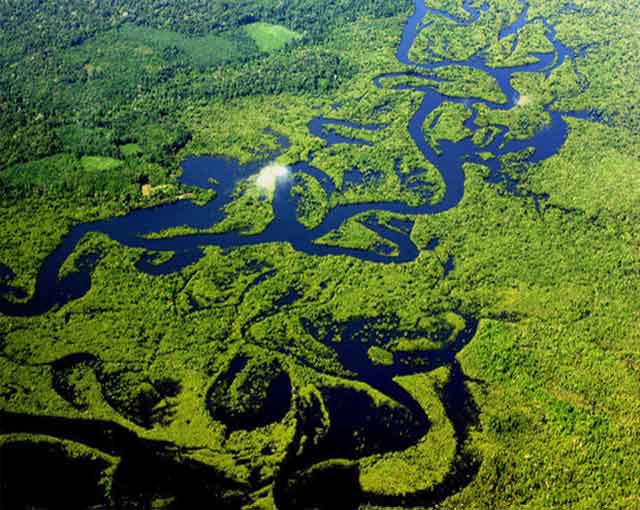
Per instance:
x=446, y=122
x=313, y=204
x=380, y=356
x=270, y=37
x=239, y=364
x=531, y=39
x=200, y=51
x=528, y=116
x=353, y=234
x=603, y=180
x=419, y=467
x=462, y=81
x=445, y=39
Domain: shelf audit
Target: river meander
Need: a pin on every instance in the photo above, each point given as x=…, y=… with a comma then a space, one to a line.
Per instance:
x=131, y=230
x=223, y=175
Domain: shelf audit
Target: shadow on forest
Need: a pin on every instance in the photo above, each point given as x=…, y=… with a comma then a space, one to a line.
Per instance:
x=247, y=394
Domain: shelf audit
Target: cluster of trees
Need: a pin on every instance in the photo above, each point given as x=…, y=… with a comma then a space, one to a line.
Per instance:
x=304, y=70
x=104, y=72
x=557, y=290
x=48, y=24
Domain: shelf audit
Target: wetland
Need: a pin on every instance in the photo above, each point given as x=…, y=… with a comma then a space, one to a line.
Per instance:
x=380, y=283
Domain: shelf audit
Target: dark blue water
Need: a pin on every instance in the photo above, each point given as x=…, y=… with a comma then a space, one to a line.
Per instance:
x=223, y=175
x=320, y=127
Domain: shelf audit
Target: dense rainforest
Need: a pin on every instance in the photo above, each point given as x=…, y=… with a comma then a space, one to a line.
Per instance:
x=302, y=254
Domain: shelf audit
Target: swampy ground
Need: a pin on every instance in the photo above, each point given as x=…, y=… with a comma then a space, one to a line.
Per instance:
x=435, y=304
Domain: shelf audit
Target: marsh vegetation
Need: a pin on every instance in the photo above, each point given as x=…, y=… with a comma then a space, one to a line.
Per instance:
x=448, y=316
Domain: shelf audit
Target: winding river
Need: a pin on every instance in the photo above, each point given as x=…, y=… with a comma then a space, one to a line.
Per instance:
x=131, y=230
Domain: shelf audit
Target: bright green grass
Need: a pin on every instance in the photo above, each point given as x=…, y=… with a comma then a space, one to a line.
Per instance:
x=270, y=37
x=210, y=49
x=130, y=150
x=99, y=163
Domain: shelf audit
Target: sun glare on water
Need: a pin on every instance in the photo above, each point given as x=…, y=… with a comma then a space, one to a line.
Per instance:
x=269, y=176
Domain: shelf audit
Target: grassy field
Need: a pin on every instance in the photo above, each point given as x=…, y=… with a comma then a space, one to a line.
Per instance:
x=270, y=37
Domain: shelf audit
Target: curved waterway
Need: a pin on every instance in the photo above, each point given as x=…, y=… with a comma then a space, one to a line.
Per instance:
x=131, y=230
x=223, y=175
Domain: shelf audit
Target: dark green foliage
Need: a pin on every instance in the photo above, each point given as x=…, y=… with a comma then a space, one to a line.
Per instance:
x=216, y=365
x=89, y=179
x=41, y=24
x=308, y=489
x=116, y=76
x=250, y=394
x=44, y=474
x=303, y=70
